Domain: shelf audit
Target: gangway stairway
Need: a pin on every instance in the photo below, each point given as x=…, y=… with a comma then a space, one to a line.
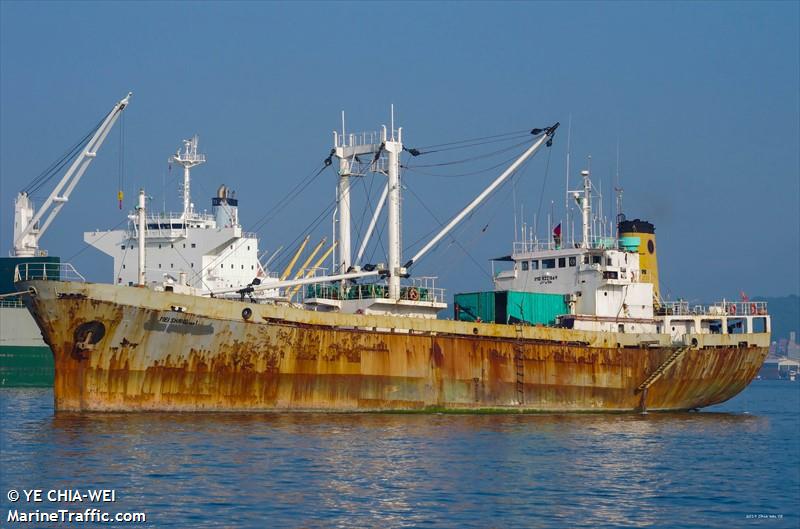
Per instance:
x=655, y=375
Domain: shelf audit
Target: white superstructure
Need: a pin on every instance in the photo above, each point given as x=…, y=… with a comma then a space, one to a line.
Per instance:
x=202, y=251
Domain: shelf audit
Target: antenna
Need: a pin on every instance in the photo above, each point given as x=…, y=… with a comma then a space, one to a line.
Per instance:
x=566, y=189
x=618, y=190
x=392, y=121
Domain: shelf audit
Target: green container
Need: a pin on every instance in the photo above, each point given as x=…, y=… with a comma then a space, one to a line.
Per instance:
x=510, y=307
x=534, y=308
x=473, y=306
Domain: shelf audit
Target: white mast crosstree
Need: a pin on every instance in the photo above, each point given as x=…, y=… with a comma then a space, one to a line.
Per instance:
x=188, y=158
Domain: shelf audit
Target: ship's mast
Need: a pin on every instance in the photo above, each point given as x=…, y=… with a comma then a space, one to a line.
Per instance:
x=394, y=147
x=188, y=159
x=344, y=210
x=347, y=148
x=586, y=208
x=141, y=217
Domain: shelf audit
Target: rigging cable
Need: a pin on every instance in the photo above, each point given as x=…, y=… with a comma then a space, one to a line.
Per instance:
x=541, y=194
x=475, y=140
x=270, y=214
x=452, y=237
x=476, y=157
x=121, y=163
x=46, y=175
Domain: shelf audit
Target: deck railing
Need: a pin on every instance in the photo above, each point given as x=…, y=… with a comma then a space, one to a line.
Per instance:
x=722, y=308
x=46, y=272
x=374, y=291
x=536, y=245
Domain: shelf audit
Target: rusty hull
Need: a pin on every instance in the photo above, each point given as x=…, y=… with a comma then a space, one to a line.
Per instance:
x=132, y=349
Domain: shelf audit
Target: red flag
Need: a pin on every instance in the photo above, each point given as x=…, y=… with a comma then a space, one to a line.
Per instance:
x=744, y=296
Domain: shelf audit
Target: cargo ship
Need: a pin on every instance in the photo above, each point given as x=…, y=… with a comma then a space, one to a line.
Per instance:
x=569, y=325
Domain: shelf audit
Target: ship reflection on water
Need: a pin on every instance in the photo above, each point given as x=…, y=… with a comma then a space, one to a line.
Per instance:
x=707, y=469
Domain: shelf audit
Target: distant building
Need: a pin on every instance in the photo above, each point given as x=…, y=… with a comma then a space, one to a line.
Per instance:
x=792, y=347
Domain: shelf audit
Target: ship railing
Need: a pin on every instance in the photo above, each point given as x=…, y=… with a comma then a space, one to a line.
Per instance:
x=170, y=216
x=47, y=272
x=356, y=139
x=722, y=308
x=414, y=292
x=11, y=303
x=596, y=243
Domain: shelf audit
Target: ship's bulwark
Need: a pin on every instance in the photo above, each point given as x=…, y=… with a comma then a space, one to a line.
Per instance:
x=115, y=349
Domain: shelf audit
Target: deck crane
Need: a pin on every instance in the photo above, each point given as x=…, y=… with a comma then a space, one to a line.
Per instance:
x=28, y=227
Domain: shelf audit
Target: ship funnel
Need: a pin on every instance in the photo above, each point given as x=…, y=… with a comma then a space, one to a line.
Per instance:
x=648, y=261
x=225, y=208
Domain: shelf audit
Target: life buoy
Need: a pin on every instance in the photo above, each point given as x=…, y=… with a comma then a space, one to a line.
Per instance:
x=413, y=294
x=731, y=309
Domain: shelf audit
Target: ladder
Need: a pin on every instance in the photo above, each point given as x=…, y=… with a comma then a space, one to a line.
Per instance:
x=519, y=366
x=655, y=375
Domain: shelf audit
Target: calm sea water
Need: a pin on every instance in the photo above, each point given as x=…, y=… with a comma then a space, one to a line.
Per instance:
x=734, y=465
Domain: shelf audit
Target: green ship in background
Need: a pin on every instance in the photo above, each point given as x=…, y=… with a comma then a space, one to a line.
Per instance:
x=25, y=360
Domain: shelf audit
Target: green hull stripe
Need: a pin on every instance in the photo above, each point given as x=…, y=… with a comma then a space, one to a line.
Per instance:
x=22, y=366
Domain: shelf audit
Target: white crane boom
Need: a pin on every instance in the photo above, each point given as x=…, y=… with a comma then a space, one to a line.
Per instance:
x=546, y=135
x=28, y=228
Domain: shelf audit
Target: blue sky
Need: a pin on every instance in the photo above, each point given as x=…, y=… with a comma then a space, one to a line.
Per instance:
x=702, y=98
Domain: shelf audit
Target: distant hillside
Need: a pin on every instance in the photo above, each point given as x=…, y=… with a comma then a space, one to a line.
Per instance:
x=785, y=313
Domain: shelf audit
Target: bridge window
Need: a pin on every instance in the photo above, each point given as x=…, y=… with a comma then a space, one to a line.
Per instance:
x=524, y=265
x=608, y=261
x=572, y=261
x=123, y=246
x=548, y=263
x=534, y=265
x=562, y=262
x=194, y=245
x=596, y=259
